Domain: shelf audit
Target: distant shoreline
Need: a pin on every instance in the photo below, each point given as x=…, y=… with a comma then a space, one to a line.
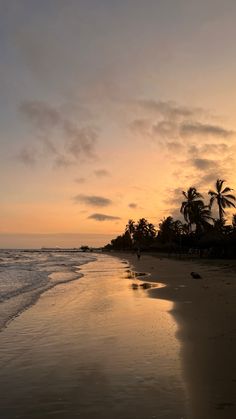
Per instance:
x=63, y=240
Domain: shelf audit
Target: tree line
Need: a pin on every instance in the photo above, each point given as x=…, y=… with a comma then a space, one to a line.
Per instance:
x=198, y=231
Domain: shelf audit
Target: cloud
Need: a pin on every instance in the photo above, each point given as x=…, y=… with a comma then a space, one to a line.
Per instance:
x=92, y=200
x=141, y=126
x=62, y=139
x=80, y=180
x=169, y=125
x=215, y=148
x=133, y=205
x=80, y=141
x=174, y=146
x=176, y=214
x=41, y=114
x=189, y=129
x=209, y=178
x=176, y=130
x=101, y=173
x=169, y=109
x=204, y=164
x=27, y=155
x=165, y=129
x=209, y=148
x=62, y=161
x=174, y=196
x=103, y=217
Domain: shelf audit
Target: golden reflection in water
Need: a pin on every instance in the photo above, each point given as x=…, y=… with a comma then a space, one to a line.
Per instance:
x=100, y=345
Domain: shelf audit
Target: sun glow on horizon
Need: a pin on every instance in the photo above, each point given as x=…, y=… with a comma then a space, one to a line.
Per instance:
x=111, y=125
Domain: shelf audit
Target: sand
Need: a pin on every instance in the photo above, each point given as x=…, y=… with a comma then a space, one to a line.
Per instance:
x=205, y=310
x=93, y=348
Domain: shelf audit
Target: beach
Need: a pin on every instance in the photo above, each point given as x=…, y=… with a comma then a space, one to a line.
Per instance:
x=205, y=310
x=94, y=346
x=91, y=346
x=118, y=209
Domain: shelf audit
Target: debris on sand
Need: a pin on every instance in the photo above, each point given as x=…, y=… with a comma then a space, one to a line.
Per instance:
x=195, y=275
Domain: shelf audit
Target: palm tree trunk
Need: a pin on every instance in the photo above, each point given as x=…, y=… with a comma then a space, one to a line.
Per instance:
x=190, y=227
x=221, y=214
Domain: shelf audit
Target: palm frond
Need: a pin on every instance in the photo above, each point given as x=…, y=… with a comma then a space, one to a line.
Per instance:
x=227, y=189
x=212, y=193
x=219, y=184
x=230, y=197
x=228, y=204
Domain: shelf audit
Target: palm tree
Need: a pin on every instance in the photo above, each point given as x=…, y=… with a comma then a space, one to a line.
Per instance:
x=141, y=230
x=188, y=207
x=130, y=227
x=201, y=217
x=151, y=231
x=222, y=197
x=177, y=226
x=234, y=221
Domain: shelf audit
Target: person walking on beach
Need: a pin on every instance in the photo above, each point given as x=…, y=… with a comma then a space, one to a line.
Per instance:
x=138, y=254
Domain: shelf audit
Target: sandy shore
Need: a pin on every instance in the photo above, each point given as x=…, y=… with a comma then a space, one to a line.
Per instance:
x=93, y=348
x=205, y=310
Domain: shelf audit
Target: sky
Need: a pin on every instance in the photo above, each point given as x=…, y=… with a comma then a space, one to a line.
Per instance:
x=110, y=109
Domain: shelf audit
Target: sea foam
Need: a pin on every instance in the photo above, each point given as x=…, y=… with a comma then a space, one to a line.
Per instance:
x=25, y=275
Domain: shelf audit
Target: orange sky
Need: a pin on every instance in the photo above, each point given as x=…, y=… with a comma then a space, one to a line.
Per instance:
x=109, y=112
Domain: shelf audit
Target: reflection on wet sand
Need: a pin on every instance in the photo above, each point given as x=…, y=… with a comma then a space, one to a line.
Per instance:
x=93, y=348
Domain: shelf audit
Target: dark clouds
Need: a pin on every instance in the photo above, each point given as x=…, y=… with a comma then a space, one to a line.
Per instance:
x=173, y=121
x=92, y=200
x=174, y=196
x=169, y=110
x=204, y=164
x=173, y=200
x=209, y=148
x=59, y=137
x=188, y=136
x=189, y=129
x=103, y=217
x=209, y=178
x=208, y=170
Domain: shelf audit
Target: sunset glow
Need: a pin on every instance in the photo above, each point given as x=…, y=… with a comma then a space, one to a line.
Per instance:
x=110, y=109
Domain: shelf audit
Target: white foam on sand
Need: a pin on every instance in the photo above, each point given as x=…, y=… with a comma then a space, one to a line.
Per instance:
x=25, y=275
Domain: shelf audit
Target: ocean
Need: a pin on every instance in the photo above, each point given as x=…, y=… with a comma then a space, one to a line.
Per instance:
x=26, y=274
x=37, y=241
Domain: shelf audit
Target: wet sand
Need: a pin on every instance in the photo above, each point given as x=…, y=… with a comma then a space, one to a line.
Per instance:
x=93, y=348
x=205, y=310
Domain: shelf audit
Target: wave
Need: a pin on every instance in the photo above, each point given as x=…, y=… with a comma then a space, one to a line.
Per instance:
x=25, y=276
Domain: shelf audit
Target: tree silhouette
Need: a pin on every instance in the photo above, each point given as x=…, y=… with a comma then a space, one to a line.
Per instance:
x=234, y=221
x=171, y=230
x=201, y=217
x=188, y=207
x=222, y=197
x=130, y=228
x=166, y=230
x=211, y=234
x=144, y=231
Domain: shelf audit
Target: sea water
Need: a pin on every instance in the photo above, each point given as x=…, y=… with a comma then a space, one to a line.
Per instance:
x=26, y=274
